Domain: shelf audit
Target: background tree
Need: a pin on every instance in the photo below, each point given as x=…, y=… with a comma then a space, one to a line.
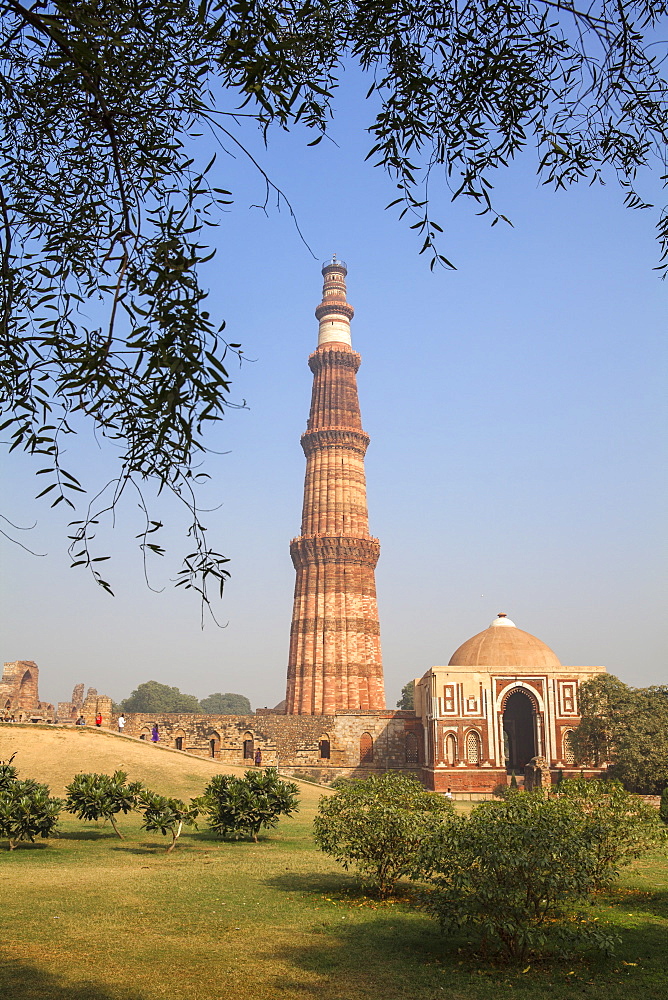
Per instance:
x=377, y=825
x=226, y=704
x=156, y=698
x=240, y=807
x=94, y=797
x=104, y=206
x=628, y=727
x=407, y=700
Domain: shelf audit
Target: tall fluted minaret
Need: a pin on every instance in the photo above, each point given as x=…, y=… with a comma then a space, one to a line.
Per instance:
x=335, y=661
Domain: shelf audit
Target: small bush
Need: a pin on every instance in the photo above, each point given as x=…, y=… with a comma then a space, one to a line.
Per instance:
x=376, y=825
x=166, y=815
x=102, y=796
x=617, y=825
x=240, y=807
x=513, y=871
x=26, y=809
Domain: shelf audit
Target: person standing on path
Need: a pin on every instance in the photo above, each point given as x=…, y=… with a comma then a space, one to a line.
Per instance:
x=155, y=735
x=121, y=723
x=258, y=758
x=98, y=719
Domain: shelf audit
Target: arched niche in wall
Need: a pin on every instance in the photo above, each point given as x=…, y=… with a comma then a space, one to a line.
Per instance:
x=451, y=755
x=366, y=748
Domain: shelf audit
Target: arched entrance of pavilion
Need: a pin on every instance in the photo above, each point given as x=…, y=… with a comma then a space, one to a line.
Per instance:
x=519, y=729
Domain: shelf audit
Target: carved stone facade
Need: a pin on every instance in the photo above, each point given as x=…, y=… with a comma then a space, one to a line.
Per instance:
x=19, y=695
x=502, y=704
x=335, y=661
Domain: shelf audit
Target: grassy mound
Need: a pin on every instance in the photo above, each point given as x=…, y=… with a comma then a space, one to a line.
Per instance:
x=54, y=754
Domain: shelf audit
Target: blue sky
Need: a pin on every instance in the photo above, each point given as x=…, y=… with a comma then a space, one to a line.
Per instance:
x=516, y=408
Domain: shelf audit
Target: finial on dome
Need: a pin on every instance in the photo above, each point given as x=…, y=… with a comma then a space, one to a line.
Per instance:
x=503, y=619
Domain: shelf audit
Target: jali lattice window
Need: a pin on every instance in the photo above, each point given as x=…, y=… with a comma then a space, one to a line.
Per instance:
x=473, y=748
x=411, y=748
x=569, y=753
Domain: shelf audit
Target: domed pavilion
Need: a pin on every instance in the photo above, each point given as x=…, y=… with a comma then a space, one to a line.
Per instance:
x=503, y=700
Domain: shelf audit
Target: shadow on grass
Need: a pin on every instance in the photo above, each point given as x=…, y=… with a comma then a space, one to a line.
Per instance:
x=347, y=887
x=324, y=883
x=641, y=900
x=25, y=982
x=88, y=835
x=395, y=956
x=209, y=837
x=399, y=956
x=24, y=845
x=400, y=951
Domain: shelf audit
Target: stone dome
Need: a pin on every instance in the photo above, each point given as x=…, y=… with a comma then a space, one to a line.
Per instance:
x=503, y=644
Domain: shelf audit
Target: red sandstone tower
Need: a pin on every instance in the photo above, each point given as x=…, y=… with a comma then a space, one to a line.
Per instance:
x=335, y=661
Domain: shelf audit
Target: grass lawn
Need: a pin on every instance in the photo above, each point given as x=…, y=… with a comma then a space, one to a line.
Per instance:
x=89, y=917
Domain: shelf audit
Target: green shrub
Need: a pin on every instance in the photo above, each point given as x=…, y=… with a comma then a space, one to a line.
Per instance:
x=166, y=815
x=663, y=806
x=240, y=807
x=376, y=825
x=102, y=796
x=513, y=871
x=26, y=809
x=8, y=773
x=618, y=825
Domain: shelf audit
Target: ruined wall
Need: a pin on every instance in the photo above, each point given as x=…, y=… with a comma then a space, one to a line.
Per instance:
x=358, y=743
x=69, y=711
x=19, y=696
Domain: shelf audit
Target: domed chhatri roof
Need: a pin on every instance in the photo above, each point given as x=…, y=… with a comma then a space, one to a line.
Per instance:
x=503, y=644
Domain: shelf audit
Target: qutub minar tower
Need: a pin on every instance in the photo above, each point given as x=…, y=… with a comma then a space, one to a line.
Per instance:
x=335, y=661
x=502, y=703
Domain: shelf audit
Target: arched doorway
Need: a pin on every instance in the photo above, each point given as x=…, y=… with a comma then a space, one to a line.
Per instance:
x=518, y=724
x=248, y=746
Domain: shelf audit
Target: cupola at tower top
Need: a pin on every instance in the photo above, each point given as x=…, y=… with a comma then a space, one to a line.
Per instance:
x=334, y=312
